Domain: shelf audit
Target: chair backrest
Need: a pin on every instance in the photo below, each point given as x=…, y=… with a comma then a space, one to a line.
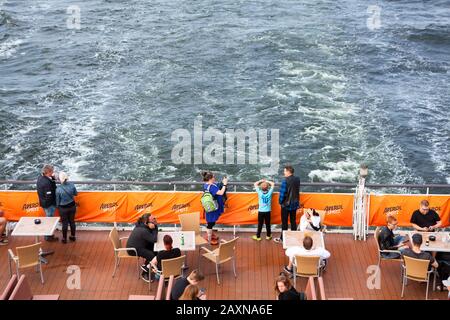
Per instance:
x=22, y=291
x=307, y=265
x=310, y=290
x=114, y=237
x=416, y=268
x=160, y=289
x=190, y=222
x=172, y=267
x=376, y=235
x=9, y=288
x=28, y=255
x=226, y=250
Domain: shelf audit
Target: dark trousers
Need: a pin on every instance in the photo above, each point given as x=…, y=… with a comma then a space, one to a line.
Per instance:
x=285, y=215
x=68, y=218
x=263, y=217
x=147, y=254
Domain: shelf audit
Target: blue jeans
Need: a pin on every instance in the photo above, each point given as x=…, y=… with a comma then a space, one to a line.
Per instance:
x=49, y=212
x=393, y=255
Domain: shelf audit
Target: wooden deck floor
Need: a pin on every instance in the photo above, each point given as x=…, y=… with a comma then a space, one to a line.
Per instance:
x=258, y=263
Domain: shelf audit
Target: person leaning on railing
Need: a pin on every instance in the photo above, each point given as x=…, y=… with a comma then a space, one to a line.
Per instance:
x=264, y=189
x=425, y=219
x=65, y=201
x=289, y=200
x=3, y=223
x=143, y=239
x=46, y=189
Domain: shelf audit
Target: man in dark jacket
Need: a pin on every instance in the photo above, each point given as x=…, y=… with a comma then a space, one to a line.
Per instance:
x=388, y=241
x=46, y=189
x=143, y=238
x=289, y=200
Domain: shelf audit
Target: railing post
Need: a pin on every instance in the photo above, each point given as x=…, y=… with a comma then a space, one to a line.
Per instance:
x=428, y=191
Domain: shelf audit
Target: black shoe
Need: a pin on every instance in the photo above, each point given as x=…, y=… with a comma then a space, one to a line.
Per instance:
x=144, y=276
x=64, y=240
x=286, y=269
x=144, y=268
x=72, y=238
x=52, y=239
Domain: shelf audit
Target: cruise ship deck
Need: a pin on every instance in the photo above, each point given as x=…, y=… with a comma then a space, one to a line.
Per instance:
x=258, y=264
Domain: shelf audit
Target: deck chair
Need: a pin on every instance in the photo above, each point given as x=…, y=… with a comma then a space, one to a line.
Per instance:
x=22, y=291
x=27, y=256
x=9, y=288
x=150, y=297
x=170, y=267
x=225, y=253
x=379, y=251
x=417, y=270
x=306, y=267
x=120, y=252
x=310, y=290
x=191, y=222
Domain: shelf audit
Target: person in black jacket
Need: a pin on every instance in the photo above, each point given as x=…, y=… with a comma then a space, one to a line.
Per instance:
x=388, y=241
x=46, y=189
x=285, y=290
x=143, y=238
x=289, y=200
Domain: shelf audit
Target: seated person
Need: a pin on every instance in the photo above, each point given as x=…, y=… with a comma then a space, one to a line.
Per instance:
x=168, y=253
x=3, y=223
x=443, y=259
x=191, y=293
x=143, y=238
x=425, y=219
x=416, y=253
x=389, y=241
x=310, y=220
x=306, y=250
x=178, y=288
x=285, y=291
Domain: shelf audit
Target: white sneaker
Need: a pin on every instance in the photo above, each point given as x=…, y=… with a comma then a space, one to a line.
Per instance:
x=278, y=240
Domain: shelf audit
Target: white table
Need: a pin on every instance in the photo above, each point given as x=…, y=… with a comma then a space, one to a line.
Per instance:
x=439, y=245
x=27, y=228
x=189, y=240
x=295, y=238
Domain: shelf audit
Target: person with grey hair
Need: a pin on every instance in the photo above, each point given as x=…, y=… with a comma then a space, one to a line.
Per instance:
x=46, y=190
x=65, y=201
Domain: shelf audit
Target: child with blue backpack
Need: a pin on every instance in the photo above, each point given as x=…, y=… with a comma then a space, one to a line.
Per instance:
x=213, y=203
x=264, y=189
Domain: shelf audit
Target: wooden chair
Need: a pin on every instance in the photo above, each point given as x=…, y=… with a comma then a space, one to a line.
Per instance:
x=417, y=270
x=170, y=267
x=120, y=252
x=191, y=222
x=9, y=288
x=149, y=297
x=224, y=253
x=306, y=267
x=321, y=289
x=310, y=290
x=22, y=291
x=379, y=251
x=27, y=256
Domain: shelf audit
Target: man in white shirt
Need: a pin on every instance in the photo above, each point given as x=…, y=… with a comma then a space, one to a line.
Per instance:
x=306, y=250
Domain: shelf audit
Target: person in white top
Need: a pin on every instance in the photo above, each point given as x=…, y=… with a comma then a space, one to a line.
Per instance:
x=310, y=220
x=307, y=250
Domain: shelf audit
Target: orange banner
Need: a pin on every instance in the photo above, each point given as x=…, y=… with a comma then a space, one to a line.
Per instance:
x=240, y=208
x=402, y=206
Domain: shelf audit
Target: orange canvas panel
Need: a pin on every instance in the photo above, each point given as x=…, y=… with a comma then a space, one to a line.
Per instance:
x=403, y=206
x=20, y=204
x=100, y=206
